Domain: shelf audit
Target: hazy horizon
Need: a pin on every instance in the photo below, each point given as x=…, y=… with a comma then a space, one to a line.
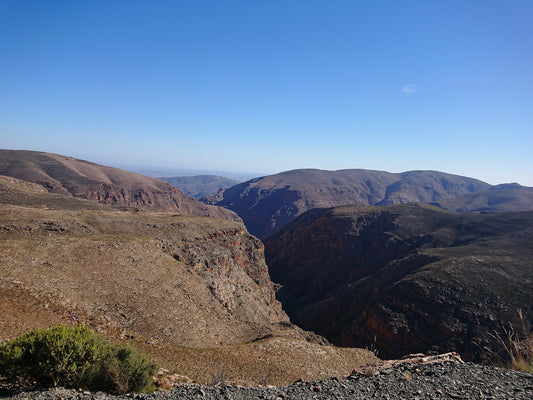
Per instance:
x=257, y=88
x=169, y=171
x=162, y=171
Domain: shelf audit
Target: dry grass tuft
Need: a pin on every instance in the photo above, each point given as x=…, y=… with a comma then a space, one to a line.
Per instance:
x=518, y=348
x=219, y=378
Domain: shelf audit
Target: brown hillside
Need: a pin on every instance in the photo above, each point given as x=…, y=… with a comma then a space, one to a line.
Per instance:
x=179, y=279
x=23, y=193
x=192, y=292
x=101, y=184
x=266, y=204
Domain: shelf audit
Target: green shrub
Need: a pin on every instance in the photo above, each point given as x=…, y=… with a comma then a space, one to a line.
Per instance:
x=76, y=358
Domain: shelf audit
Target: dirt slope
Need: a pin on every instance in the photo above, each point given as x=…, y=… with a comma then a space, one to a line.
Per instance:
x=182, y=279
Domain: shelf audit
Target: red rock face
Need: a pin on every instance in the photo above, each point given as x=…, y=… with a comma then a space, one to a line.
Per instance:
x=406, y=278
x=233, y=262
x=169, y=200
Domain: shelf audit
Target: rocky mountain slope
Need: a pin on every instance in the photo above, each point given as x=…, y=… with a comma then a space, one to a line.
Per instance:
x=142, y=272
x=101, y=184
x=191, y=291
x=406, y=278
x=199, y=186
x=268, y=203
x=23, y=193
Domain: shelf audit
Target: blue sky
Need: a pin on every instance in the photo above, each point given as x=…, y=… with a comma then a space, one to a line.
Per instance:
x=267, y=86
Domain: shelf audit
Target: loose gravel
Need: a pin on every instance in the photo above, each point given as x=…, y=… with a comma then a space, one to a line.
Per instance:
x=446, y=380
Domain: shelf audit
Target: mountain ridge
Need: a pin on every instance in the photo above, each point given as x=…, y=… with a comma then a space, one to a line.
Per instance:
x=267, y=203
x=101, y=184
x=498, y=198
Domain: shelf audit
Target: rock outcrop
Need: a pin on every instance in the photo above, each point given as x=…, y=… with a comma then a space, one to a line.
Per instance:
x=406, y=278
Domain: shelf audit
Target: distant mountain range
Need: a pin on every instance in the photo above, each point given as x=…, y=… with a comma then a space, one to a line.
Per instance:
x=407, y=278
x=268, y=203
x=199, y=186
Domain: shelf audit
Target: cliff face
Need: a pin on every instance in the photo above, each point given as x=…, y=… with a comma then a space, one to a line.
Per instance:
x=266, y=204
x=406, y=278
x=231, y=262
x=98, y=183
x=175, y=279
x=159, y=199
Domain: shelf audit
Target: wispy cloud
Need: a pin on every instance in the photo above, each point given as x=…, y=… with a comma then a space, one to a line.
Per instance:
x=409, y=89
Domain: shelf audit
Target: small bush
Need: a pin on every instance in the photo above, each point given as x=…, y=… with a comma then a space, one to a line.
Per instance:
x=76, y=358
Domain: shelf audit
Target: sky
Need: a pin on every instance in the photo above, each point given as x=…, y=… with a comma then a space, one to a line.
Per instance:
x=267, y=86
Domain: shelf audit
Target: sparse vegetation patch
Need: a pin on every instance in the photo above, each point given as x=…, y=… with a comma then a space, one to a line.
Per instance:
x=75, y=357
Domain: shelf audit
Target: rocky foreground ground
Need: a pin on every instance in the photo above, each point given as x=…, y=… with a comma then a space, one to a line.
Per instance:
x=448, y=379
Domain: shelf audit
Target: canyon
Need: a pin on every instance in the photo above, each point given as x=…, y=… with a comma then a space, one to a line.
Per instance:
x=407, y=278
x=188, y=283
